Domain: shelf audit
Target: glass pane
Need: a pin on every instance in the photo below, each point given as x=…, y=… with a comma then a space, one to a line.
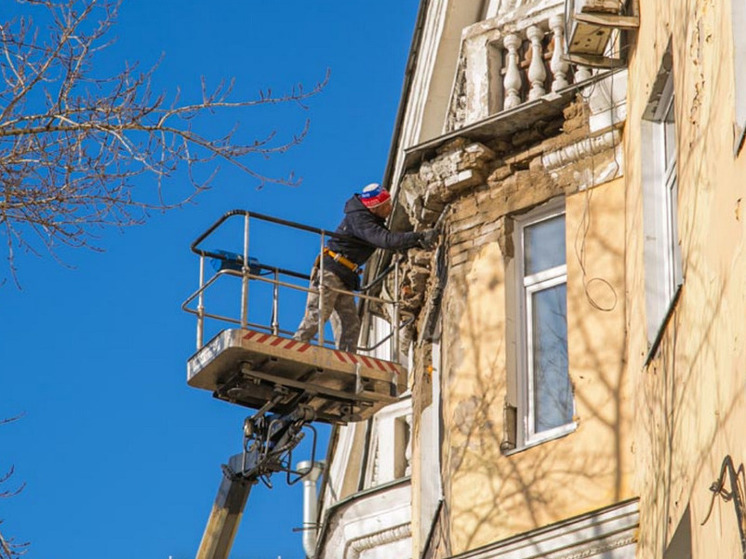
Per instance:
x=674, y=249
x=552, y=391
x=544, y=244
x=669, y=137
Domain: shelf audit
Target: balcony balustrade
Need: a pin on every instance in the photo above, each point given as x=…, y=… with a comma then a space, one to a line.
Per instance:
x=505, y=63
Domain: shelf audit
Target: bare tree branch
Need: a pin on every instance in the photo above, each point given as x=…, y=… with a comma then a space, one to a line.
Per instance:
x=72, y=142
x=9, y=548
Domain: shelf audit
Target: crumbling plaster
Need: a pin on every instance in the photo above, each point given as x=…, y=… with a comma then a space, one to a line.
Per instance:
x=491, y=496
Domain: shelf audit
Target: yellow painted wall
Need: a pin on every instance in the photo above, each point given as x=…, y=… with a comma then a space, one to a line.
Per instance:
x=492, y=496
x=691, y=400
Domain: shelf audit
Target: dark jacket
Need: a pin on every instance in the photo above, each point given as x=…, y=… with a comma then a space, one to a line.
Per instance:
x=370, y=233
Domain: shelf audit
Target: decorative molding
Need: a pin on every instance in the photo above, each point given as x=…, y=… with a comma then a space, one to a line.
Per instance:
x=372, y=512
x=516, y=11
x=609, y=533
x=376, y=462
x=580, y=150
x=354, y=548
x=603, y=550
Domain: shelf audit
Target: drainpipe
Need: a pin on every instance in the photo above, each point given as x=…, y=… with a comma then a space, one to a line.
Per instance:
x=312, y=472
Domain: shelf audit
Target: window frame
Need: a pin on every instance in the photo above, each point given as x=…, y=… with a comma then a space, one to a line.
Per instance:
x=738, y=21
x=388, y=453
x=661, y=246
x=525, y=287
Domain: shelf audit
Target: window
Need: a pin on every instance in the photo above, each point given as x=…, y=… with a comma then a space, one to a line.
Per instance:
x=662, y=253
x=738, y=20
x=390, y=450
x=545, y=406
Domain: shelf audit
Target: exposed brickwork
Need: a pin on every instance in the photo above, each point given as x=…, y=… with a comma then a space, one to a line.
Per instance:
x=477, y=186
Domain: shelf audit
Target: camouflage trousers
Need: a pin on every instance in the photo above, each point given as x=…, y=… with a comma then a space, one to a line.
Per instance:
x=339, y=307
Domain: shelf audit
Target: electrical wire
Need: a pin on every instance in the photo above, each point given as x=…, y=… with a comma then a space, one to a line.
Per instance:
x=584, y=226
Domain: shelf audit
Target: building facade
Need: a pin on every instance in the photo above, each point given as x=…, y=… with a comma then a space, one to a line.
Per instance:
x=685, y=270
x=575, y=344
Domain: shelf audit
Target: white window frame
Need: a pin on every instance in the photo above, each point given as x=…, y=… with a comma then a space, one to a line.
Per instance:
x=738, y=23
x=525, y=288
x=389, y=452
x=662, y=252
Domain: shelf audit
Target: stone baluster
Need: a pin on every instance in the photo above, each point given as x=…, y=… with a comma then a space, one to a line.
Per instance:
x=582, y=73
x=512, y=81
x=558, y=65
x=536, y=71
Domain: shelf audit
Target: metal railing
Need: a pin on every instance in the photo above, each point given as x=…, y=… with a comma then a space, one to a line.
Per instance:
x=248, y=270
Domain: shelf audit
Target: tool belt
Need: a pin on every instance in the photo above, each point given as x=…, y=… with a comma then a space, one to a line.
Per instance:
x=347, y=263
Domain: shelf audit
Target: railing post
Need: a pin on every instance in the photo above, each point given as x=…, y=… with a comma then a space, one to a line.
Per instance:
x=275, y=304
x=201, y=304
x=322, y=290
x=245, y=275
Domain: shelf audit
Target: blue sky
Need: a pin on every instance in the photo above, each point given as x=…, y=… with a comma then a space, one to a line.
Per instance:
x=121, y=458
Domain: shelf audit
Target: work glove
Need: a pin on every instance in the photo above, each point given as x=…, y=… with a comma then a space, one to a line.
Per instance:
x=428, y=239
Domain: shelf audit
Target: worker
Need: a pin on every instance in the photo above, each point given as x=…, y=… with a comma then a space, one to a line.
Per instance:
x=365, y=230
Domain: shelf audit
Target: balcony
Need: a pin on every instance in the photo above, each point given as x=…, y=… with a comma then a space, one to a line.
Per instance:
x=597, y=31
x=521, y=57
x=510, y=60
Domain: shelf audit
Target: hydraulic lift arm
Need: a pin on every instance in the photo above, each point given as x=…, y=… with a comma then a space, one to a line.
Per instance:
x=269, y=440
x=226, y=513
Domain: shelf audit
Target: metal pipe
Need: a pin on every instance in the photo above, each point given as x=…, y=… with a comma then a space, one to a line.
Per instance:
x=269, y=219
x=312, y=471
x=196, y=294
x=255, y=265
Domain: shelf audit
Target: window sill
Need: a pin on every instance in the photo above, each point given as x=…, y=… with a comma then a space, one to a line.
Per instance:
x=652, y=352
x=739, y=139
x=558, y=433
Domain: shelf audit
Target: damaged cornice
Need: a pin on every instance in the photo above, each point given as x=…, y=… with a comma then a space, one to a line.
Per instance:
x=580, y=150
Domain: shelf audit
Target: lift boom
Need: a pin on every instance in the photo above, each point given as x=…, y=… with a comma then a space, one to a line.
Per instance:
x=269, y=440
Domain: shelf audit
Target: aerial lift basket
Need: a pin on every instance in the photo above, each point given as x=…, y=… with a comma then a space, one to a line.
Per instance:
x=253, y=364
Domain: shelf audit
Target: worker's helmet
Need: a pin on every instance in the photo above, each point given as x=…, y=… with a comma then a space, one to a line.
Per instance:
x=374, y=195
